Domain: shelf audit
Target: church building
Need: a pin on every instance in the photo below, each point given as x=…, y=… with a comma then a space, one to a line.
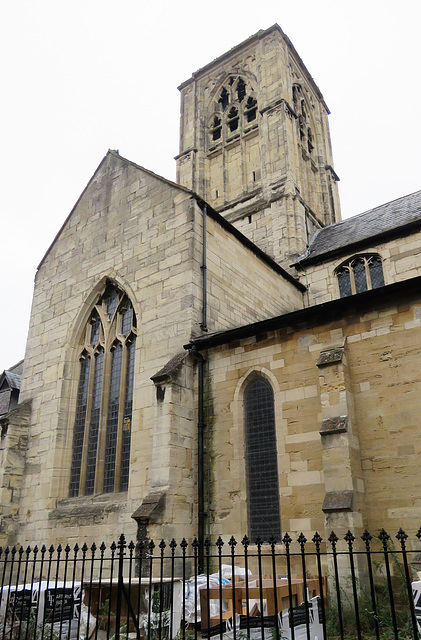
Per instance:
x=222, y=355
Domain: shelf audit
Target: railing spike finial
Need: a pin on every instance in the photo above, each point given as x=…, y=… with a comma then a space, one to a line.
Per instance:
x=366, y=538
x=207, y=544
x=245, y=542
x=184, y=545
x=232, y=543
x=384, y=537
x=173, y=545
x=287, y=540
x=162, y=545
x=402, y=537
x=302, y=540
x=418, y=534
x=317, y=539
x=272, y=542
x=219, y=543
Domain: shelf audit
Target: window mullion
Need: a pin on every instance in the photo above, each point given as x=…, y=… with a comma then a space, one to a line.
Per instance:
x=352, y=279
x=82, y=478
x=105, y=395
x=121, y=406
x=367, y=273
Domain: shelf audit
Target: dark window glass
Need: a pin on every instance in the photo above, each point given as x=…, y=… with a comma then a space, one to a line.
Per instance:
x=233, y=119
x=241, y=90
x=95, y=330
x=216, y=128
x=79, y=432
x=112, y=301
x=262, y=466
x=127, y=419
x=224, y=98
x=344, y=281
x=94, y=424
x=251, y=109
x=126, y=321
x=360, y=275
x=376, y=273
x=112, y=423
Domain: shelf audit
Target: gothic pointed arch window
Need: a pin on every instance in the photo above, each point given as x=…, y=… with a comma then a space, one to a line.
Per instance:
x=360, y=273
x=235, y=111
x=102, y=428
x=261, y=460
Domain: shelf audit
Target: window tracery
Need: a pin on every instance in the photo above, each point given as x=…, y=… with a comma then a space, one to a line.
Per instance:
x=360, y=273
x=235, y=110
x=302, y=113
x=102, y=428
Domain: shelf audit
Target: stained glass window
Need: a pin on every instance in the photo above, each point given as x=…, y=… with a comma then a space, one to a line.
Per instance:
x=102, y=428
x=262, y=466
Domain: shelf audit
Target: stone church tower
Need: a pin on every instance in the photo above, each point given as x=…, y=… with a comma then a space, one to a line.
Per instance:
x=255, y=144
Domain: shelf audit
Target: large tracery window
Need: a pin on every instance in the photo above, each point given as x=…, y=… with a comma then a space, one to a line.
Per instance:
x=360, y=274
x=102, y=429
x=235, y=110
x=261, y=457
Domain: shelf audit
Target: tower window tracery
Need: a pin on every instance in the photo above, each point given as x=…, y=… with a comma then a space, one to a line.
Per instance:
x=102, y=428
x=235, y=110
x=302, y=113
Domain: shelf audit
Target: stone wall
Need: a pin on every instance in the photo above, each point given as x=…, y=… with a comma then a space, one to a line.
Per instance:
x=401, y=259
x=144, y=234
x=347, y=404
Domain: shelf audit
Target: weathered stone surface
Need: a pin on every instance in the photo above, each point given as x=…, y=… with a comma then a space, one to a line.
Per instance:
x=338, y=424
x=338, y=501
x=330, y=356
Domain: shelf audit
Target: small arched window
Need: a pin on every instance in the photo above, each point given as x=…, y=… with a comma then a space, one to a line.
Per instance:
x=216, y=128
x=261, y=460
x=359, y=274
x=102, y=429
x=233, y=119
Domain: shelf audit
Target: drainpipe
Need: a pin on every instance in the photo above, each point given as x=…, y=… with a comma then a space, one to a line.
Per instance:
x=204, y=271
x=200, y=471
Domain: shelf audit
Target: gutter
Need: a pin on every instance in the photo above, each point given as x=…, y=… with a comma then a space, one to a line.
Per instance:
x=317, y=314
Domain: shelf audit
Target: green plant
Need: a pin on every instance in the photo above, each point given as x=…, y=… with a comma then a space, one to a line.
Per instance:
x=372, y=614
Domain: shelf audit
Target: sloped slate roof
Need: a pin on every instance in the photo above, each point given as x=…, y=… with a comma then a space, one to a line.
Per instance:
x=4, y=401
x=13, y=379
x=392, y=218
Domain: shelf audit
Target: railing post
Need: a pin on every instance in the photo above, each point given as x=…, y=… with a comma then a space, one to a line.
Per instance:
x=120, y=586
x=384, y=538
x=402, y=537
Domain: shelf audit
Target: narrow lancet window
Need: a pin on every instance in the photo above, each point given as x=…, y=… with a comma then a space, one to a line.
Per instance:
x=262, y=465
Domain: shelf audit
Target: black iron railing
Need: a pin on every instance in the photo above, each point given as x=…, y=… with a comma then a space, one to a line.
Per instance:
x=343, y=587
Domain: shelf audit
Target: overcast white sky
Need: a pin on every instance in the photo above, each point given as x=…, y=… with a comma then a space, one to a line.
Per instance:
x=84, y=76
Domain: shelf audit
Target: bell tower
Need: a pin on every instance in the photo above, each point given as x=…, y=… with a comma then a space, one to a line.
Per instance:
x=255, y=144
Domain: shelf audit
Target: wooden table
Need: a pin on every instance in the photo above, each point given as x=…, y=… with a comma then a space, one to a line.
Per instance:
x=261, y=591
